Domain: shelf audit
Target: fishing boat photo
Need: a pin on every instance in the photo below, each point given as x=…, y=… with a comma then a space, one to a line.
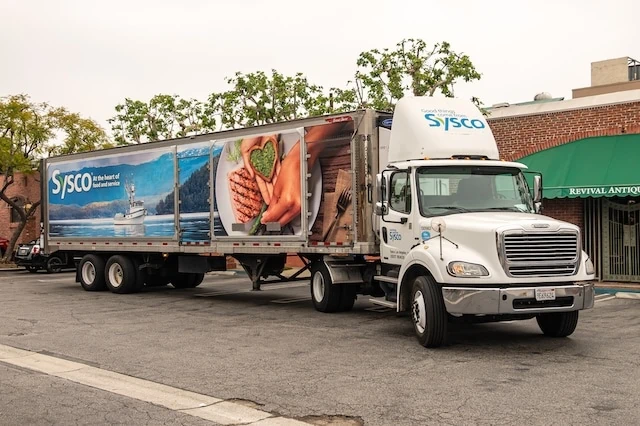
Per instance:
x=136, y=211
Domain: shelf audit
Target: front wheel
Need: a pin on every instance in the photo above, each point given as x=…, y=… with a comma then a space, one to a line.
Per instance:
x=558, y=324
x=428, y=312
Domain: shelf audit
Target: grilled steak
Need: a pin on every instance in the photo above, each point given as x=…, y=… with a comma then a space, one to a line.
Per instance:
x=246, y=199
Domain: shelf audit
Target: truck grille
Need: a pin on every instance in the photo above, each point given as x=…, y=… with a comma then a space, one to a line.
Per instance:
x=540, y=254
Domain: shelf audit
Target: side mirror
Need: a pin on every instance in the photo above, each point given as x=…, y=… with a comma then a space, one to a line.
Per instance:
x=537, y=207
x=537, y=189
x=381, y=187
x=537, y=193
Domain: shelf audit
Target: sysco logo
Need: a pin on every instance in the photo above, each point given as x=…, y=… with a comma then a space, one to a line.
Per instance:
x=70, y=183
x=454, y=122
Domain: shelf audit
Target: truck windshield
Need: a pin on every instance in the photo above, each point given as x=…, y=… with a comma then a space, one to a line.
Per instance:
x=449, y=190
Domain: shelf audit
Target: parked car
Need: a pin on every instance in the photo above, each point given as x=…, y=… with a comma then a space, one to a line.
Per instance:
x=4, y=245
x=34, y=259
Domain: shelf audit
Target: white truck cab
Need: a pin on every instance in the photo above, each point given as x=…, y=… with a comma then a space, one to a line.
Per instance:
x=461, y=237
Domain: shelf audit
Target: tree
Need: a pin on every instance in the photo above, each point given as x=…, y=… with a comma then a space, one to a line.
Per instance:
x=163, y=117
x=384, y=76
x=257, y=98
x=30, y=131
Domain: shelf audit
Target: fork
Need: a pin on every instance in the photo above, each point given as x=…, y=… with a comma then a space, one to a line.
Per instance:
x=341, y=205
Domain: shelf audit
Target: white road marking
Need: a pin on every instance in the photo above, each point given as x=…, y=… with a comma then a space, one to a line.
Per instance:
x=627, y=295
x=203, y=406
x=604, y=299
x=229, y=413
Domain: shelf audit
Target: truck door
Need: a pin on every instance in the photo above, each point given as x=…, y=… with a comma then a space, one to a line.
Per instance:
x=396, y=228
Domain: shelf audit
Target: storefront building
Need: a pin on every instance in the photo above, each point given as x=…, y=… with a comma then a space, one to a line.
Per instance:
x=588, y=151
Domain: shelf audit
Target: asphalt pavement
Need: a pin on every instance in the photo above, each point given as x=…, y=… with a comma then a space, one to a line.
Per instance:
x=272, y=352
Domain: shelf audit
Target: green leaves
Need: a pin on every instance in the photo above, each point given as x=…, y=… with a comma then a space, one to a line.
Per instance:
x=412, y=68
x=382, y=77
x=257, y=98
x=30, y=131
x=163, y=117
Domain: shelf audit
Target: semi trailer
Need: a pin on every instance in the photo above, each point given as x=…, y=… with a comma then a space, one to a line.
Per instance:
x=414, y=209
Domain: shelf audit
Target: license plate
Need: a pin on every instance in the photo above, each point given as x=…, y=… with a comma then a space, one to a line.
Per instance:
x=545, y=294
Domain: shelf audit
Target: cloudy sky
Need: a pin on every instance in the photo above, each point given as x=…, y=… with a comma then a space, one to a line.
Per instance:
x=90, y=55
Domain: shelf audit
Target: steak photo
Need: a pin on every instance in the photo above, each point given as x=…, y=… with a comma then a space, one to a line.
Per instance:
x=245, y=195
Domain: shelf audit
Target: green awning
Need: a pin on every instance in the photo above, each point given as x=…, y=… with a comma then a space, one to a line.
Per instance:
x=607, y=166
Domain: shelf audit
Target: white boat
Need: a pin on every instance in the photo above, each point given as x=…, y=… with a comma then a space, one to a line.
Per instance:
x=136, y=212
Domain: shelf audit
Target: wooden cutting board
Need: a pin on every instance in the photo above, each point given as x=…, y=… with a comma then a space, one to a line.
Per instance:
x=339, y=233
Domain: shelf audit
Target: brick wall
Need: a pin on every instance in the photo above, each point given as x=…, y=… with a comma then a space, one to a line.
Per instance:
x=520, y=136
x=27, y=187
x=567, y=209
x=523, y=135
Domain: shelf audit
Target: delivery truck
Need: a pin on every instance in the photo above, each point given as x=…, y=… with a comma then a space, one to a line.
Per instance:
x=415, y=209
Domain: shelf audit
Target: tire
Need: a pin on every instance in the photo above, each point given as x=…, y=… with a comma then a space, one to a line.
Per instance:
x=326, y=296
x=558, y=324
x=54, y=265
x=32, y=269
x=156, y=280
x=348, y=297
x=91, y=273
x=428, y=312
x=187, y=280
x=121, y=275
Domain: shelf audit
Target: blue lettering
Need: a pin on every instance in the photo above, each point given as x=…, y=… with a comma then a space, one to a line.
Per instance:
x=454, y=122
x=478, y=124
x=434, y=122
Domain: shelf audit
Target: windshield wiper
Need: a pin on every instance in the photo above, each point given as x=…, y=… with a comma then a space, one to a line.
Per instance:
x=505, y=209
x=461, y=209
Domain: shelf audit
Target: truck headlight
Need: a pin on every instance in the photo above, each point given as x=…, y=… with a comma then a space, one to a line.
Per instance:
x=465, y=269
x=589, y=266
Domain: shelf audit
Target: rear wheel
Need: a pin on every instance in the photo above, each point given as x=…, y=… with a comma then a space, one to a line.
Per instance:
x=91, y=275
x=121, y=275
x=428, y=312
x=558, y=324
x=156, y=280
x=54, y=264
x=187, y=280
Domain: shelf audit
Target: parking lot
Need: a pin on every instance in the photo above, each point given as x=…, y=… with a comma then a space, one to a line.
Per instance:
x=271, y=352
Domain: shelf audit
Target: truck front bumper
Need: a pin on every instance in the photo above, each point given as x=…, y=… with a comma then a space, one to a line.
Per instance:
x=518, y=300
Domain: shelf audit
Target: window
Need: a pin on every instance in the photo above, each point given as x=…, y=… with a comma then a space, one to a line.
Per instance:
x=15, y=216
x=400, y=196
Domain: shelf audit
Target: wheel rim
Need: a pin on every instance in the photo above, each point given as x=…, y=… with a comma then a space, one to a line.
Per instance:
x=116, y=275
x=88, y=273
x=419, y=312
x=318, y=286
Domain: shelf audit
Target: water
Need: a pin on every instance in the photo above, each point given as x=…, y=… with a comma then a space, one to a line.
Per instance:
x=195, y=226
